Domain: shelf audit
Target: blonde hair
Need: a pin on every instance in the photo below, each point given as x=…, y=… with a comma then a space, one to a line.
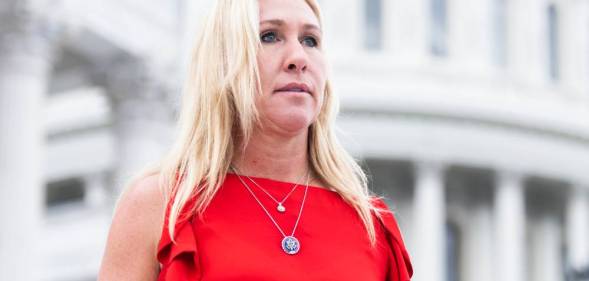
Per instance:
x=218, y=107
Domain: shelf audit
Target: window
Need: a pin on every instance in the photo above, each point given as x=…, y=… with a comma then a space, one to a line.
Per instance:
x=500, y=32
x=63, y=192
x=439, y=28
x=373, y=22
x=553, y=48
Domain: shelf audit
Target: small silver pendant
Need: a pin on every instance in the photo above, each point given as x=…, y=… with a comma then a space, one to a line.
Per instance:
x=281, y=208
x=291, y=245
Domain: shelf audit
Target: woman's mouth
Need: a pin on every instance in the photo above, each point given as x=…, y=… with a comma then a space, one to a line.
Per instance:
x=294, y=88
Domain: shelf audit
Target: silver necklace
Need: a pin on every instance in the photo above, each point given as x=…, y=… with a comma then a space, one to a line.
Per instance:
x=290, y=244
x=280, y=204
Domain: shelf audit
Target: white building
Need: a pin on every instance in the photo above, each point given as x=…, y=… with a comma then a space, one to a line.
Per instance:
x=471, y=116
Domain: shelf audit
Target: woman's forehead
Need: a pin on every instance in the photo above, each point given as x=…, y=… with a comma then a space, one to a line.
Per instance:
x=287, y=12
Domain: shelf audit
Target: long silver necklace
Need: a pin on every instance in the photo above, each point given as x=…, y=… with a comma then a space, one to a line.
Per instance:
x=290, y=244
x=280, y=204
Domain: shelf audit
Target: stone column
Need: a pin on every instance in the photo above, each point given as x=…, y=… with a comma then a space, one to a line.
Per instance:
x=25, y=66
x=406, y=28
x=546, y=238
x=574, y=20
x=577, y=228
x=142, y=116
x=470, y=32
x=96, y=191
x=527, y=50
x=430, y=223
x=510, y=225
x=478, y=243
x=344, y=27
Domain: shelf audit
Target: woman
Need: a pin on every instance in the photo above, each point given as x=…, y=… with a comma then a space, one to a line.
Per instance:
x=256, y=186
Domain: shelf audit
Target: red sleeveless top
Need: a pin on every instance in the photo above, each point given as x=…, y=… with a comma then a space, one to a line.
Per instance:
x=236, y=240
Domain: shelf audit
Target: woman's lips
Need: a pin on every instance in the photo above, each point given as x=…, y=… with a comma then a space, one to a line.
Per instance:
x=294, y=88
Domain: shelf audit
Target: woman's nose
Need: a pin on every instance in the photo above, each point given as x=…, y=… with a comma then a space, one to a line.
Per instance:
x=296, y=58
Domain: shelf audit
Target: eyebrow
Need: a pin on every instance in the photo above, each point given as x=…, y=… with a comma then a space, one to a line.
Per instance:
x=279, y=22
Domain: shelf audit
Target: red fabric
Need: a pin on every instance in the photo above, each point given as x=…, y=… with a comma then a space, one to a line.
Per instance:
x=235, y=240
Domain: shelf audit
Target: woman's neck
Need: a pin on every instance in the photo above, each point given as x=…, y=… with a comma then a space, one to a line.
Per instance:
x=272, y=156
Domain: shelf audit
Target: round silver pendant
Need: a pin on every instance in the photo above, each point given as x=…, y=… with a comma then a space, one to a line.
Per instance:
x=291, y=245
x=281, y=208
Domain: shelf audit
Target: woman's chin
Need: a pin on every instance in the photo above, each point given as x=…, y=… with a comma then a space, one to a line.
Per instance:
x=291, y=123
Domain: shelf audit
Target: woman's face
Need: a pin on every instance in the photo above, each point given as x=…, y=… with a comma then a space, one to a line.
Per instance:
x=292, y=66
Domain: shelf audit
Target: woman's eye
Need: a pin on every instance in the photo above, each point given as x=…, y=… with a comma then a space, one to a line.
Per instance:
x=268, y=37
x=310, y=41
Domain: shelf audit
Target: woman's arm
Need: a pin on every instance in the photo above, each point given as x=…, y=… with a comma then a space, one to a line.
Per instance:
x=134, y=234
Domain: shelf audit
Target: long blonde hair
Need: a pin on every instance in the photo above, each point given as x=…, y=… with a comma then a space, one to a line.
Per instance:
x=218, y=106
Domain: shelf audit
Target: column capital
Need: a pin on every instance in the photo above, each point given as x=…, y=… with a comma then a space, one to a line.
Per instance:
x=127, y=76
x=432, y=166
x=430, y=169
x=578, y=189
x=135, y=89
x=506, y=176
x=22, y=31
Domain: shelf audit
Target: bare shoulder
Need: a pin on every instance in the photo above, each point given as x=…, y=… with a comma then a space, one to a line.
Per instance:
x=135, y=231
x=143, y=197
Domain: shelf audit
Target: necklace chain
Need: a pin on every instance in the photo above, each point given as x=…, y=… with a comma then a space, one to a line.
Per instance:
x=268, y=213
x=270, y=195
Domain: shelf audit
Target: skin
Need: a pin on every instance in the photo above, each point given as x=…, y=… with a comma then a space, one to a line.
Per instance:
x=135, y=231
x=291, y=52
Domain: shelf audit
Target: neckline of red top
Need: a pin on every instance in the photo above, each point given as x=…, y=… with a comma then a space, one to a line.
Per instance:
x=272, y=183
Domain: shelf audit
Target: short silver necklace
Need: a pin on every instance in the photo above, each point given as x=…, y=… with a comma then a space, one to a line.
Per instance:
x=290, y=244
x=280, y=204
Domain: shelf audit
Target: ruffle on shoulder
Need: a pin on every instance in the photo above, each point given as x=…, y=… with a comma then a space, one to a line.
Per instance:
x=179, y=259
x=401, y=268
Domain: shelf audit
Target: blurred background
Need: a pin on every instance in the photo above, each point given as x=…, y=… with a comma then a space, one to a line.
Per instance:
x=471, y=116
